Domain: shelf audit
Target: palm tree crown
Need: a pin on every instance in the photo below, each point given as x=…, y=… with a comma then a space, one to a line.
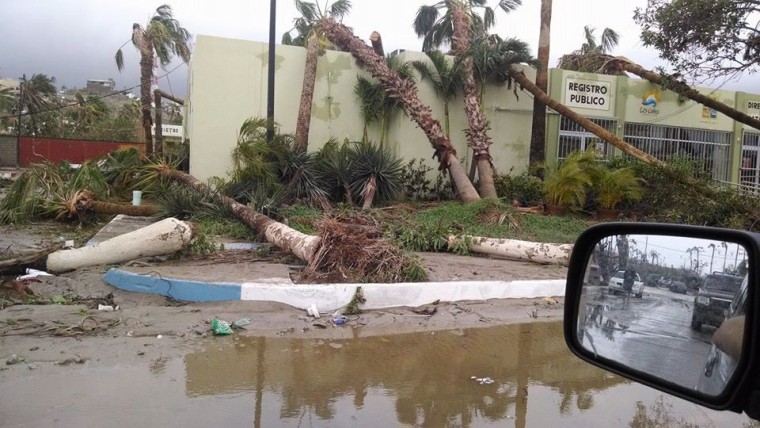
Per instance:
x=163, y=37
x=435, y=24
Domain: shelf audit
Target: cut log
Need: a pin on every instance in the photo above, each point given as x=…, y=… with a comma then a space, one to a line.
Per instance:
x=164, y=237
x=536, y=252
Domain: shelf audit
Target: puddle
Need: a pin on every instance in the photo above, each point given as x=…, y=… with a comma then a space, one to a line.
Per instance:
x=422, y=379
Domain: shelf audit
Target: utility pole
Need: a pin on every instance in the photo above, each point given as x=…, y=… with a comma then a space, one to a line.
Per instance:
x=21, y=83
x=270, y=71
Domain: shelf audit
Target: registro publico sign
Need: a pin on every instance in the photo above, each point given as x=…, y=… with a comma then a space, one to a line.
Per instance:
x=169, y=130
x=588, y=94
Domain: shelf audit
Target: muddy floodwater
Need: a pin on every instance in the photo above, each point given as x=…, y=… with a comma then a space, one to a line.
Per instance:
x=515, y=375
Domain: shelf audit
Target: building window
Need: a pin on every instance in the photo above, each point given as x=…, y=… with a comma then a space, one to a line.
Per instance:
x=749, y=170
x=709, y=149
x=573, y=137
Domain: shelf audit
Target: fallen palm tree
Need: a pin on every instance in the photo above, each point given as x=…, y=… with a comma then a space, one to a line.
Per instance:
x=164, y=237
x=344, y=251
x=536, y=252
x=695, y=185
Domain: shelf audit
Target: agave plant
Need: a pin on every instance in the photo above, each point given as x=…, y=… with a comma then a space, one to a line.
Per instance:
x=375, y=174
x=301, y=172
x=335, y=163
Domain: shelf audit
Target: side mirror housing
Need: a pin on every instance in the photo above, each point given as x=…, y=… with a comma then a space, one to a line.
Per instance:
x=693, y=333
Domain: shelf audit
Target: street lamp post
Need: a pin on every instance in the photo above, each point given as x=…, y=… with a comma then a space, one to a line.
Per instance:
x=270, y=71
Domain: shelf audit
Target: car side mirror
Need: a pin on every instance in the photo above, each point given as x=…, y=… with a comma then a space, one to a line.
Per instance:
x=693, y=333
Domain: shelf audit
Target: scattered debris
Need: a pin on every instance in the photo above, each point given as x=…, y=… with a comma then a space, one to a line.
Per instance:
x=482, y=380
x=105, y=308
x=426, y=309
x=353, y=306
x=241, y=323
x=340, y=320
x=74, y=360
x=319, y=325
x=220, y=327
x=312, y=310
x=14, y=359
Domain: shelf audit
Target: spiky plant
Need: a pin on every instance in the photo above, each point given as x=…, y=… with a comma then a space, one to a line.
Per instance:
x=376, y=174
x=334, y=162
x=303, y=178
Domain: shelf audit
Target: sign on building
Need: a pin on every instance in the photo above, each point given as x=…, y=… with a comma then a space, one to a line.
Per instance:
x=587, y=94
x=169, y=131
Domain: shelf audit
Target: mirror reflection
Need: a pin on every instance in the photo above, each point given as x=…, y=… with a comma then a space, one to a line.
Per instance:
x=669, y=306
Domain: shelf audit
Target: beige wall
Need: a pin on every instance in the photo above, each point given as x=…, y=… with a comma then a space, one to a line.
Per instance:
x=227, y=85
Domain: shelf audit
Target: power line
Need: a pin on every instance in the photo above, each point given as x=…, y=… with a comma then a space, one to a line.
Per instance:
x=89, y=99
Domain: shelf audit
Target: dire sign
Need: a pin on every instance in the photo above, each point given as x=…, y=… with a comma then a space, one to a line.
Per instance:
x=588, y=94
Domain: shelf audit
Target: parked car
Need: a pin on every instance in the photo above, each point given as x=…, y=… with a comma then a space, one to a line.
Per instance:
x=677, y=287
x=721, y=363
x=616, y=285
x=713, y=298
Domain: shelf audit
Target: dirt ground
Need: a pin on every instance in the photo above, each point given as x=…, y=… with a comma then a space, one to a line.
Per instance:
x=149, y=326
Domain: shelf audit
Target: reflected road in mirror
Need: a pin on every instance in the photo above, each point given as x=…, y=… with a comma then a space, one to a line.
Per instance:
x=653, y=303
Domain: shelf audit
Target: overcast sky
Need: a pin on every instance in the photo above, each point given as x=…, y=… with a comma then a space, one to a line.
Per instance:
x=76, y=40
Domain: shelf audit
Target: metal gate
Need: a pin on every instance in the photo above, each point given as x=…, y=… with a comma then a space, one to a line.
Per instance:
x=749, y=171
x=573, y=137
x=709, y=149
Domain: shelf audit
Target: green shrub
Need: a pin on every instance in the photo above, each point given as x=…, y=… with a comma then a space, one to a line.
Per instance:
x=525, y=188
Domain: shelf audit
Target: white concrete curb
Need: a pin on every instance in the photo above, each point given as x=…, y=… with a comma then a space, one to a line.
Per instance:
x=330, y=297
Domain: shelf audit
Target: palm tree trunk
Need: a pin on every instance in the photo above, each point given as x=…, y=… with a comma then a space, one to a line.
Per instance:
x=477, y=132
x=301, y=245
x=369, y=193
x=682, y=88
x=146, y=75
x=158, y=146
x=405, y=91
x=446, y=124
x=303, y=123
x=538, y=129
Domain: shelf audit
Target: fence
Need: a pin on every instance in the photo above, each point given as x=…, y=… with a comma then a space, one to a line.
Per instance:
x=35, y=150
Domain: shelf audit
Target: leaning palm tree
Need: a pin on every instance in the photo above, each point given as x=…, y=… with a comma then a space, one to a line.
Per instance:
x=309, y=37
x=161, y=39
x=405, y=91
x=457, y=25
x=447, y=78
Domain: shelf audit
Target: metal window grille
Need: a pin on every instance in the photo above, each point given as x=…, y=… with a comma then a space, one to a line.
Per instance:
x=749, y=171
x=573, y=137
x=709, y=149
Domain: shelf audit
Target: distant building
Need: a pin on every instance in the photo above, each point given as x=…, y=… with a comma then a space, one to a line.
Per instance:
x=100, y=87
x=9, y=83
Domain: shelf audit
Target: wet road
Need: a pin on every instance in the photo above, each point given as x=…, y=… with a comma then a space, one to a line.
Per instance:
x=422, y=379
x=652, y=333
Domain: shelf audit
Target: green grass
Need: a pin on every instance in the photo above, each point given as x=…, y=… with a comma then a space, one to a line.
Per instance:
x=481, y=219
x=229, y=228
x=302, y=218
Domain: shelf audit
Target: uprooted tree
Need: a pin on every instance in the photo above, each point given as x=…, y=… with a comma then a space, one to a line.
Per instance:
x=344, y=251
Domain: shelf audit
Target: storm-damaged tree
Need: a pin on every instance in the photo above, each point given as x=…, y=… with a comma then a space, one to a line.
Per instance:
x=597, y=62
x=457, y=25
x=161, y=39
x=308, y=36
x=703, y=38
x=592, y=54
x=37, y=95
x=447, y=78
x=405, y=91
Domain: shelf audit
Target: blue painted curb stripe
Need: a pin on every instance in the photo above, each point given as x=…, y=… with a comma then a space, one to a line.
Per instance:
x=178, y=289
